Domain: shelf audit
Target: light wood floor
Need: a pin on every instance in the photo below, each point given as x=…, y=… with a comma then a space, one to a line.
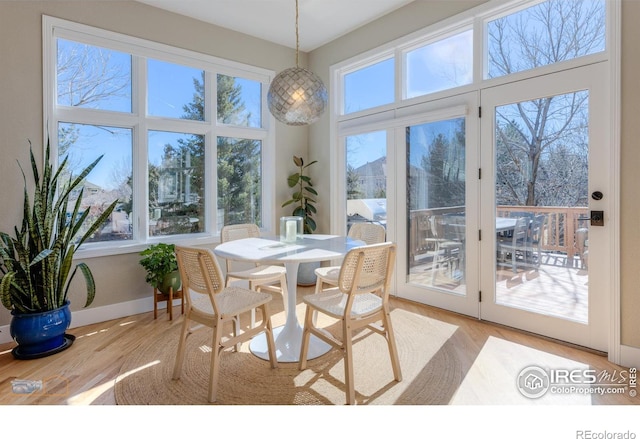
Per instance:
x=85, y=373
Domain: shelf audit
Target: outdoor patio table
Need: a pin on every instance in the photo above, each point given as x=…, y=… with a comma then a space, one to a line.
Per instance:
x=270, y=250
x=505, y=224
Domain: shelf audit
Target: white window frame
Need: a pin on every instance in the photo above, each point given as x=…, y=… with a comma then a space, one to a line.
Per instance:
x=141, y=124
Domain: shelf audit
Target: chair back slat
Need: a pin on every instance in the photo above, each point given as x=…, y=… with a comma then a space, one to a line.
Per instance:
x=232, y=232
x=521, y=231
x=368, y=268
x=368, y=232
x=200, y=272
x=239, y=231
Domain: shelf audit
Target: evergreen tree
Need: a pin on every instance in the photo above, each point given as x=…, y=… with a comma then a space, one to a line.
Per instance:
x=238, y=160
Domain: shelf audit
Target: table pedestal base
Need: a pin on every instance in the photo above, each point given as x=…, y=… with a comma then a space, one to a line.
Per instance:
x=288, y=342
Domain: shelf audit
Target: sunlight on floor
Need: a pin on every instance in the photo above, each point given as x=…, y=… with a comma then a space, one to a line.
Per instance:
x=89, y=334
x=493, y=378
x=87, y=397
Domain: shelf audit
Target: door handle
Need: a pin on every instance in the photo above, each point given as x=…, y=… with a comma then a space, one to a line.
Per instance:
x=597, y=218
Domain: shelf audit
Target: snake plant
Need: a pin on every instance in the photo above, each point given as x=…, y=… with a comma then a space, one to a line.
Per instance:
x=36, y=262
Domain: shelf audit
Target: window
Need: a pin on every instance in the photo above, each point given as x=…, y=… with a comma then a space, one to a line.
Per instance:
x=90, y=76
x=239, y=102
x=110, y=180
x=544, y=34
x=358, y=86
x=517, y=40
x=239, y=176
x=439, y=65
x=367, y=178
x=174, y=91
x=176, y=183
x=166, y=122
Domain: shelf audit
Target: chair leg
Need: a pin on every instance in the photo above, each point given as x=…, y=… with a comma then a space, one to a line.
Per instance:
x=236, y=332
x=268, y=332
x=177, y=368
x=214, y=369
x=391, y=342
x=306, y=335
x=319, y=287
x=347, y=345
x=253, y=287
x=319, y=284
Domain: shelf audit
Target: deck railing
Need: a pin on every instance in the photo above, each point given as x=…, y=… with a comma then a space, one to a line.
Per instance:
x=558, y=236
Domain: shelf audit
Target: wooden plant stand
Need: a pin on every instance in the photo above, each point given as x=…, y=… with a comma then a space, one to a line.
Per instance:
x=159, y=296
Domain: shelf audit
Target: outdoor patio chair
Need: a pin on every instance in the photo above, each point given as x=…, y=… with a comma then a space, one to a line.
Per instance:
x=212, y=304
x=360, y=301
x=449, y=237
x=534, y=240
x=514, y=247
x=260, y=277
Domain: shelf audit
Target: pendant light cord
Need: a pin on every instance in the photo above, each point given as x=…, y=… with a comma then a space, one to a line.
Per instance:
x=297, y=43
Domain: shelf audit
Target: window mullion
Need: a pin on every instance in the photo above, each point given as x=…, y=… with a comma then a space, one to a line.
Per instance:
x=211, y=169
x=140, y=153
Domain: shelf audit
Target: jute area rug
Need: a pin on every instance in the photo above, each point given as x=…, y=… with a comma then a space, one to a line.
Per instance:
x=428, y=363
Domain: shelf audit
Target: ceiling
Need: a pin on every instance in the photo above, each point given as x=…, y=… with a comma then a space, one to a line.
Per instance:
x=319, y=21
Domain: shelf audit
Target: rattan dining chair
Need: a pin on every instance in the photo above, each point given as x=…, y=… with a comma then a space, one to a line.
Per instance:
x=360, y=300
x=212, y=304
x=369, y=233
x=260, y=277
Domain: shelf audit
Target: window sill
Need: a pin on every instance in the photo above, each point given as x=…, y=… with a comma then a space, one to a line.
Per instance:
x=98, y=250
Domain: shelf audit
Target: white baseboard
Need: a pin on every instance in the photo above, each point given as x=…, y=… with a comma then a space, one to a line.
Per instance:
x=89, y=316
x=629, y=356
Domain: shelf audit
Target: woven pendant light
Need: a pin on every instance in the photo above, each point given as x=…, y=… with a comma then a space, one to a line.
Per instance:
x=297, y=96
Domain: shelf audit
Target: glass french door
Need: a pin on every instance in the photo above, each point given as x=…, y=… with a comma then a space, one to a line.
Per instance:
x=544, y=264
x=438, y=200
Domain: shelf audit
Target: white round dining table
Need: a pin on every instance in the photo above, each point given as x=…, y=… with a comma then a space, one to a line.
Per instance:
x=271, y=250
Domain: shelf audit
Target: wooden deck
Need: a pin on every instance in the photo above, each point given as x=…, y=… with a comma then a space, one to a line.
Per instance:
x=556, y=288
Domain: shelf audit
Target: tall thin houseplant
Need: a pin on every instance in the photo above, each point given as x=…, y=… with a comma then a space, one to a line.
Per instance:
x=303, y=196
x=36, y=262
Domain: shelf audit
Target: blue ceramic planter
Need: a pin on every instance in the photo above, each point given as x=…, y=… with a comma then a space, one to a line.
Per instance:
x=41, y=334
x=306, y=273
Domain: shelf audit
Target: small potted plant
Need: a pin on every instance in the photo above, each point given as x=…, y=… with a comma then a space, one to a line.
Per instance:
x=162, y=267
